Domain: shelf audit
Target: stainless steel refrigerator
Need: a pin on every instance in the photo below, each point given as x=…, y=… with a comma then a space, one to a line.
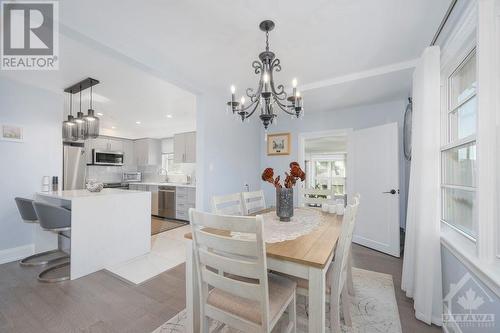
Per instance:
x=74, y=166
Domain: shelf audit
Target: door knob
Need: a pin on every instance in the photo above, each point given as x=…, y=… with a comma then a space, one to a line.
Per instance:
x=393, y=191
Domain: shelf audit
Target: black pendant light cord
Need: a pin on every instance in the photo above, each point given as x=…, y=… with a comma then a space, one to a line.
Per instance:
x=91, y=95
x=80, y=99
x=71, y=103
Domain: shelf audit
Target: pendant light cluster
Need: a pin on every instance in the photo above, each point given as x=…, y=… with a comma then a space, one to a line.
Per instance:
x=83, y=126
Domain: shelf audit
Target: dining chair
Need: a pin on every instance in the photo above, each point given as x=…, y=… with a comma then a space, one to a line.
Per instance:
x=231, y=204
x=339, y=272
x=253, y=202
x=235, y=287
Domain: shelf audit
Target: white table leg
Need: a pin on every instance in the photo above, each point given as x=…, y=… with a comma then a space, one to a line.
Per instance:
x=192, y=292
x=316, y=300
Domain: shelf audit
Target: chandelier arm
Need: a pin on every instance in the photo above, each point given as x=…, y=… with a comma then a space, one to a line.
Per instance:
x=255, y=108
x=283, y=107
x=244, y=108
x=255, y=96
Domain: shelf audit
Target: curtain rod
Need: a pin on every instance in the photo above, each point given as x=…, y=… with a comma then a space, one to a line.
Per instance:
x=443, y=22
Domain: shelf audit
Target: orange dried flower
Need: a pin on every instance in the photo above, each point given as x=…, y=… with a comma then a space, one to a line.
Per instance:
x=268, y=175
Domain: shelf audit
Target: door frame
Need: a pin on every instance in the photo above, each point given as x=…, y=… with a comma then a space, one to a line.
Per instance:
x=346, y=132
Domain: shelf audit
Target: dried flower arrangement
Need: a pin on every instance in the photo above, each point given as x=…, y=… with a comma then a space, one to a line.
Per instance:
x=295, y=174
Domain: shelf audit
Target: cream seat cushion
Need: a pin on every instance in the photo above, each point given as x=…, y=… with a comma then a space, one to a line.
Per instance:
x=280, y=291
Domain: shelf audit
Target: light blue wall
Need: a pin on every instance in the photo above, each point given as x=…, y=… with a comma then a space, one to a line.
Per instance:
x=453, y=271
x=356, y=118
x=228, y=152
x=22, y=165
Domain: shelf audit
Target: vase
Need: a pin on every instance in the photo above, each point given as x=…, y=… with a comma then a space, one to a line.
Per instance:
x=284, y=203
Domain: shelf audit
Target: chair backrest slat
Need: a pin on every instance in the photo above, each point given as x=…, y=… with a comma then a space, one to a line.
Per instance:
x=226, y=244
x=227, y=204
x=226, y=222
x=253, y=202
x=234, y=265
x=235, y=287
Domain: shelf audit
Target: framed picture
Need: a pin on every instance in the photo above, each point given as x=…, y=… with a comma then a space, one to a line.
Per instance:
x=11, y=133
x=278, y=144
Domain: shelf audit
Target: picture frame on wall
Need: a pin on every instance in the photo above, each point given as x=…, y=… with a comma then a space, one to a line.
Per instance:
x=278, y=144
x=11, y=133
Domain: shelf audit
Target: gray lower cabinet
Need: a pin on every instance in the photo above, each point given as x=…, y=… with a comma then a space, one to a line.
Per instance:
x=185, y=198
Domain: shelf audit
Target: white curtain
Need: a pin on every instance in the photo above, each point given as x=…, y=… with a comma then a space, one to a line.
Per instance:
x=422, y=257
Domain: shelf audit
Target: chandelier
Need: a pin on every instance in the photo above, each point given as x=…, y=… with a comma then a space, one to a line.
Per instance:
x=267, y=96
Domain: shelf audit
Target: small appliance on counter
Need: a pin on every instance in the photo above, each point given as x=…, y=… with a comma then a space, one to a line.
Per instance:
x=129, y=177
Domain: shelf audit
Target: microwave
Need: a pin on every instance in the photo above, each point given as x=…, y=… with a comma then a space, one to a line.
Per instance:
x=132, y=177
x=102, y=157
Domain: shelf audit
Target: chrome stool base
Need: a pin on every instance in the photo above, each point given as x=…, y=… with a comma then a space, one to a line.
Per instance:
x=42, y=278
x=26, y=261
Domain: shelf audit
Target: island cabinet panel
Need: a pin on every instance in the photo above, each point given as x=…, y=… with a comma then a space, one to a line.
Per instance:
x=101, y=223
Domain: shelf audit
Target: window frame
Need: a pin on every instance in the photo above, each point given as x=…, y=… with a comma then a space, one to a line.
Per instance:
x=447, y=143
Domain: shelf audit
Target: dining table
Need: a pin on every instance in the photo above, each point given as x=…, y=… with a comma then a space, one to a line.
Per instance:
x=308, y=256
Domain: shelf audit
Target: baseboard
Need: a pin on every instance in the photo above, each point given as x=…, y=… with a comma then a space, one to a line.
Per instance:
x=16, y=253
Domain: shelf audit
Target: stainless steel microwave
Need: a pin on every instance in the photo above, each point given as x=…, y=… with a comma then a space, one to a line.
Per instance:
x=102, y=157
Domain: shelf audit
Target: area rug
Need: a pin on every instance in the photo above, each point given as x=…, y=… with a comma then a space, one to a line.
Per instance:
x=374, y=309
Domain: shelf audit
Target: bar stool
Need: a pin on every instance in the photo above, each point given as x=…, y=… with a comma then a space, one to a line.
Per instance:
x=56, y=219
x=28, y=214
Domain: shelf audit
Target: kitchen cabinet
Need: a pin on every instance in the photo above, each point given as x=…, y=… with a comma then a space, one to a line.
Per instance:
x=185, y=147
x=147, y=152
x=185, y=198
x=129, y=160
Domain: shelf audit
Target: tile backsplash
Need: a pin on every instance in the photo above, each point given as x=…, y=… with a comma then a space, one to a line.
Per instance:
x=105, y=174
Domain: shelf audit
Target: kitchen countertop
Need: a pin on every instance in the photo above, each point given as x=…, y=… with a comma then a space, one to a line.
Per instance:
x=73, y=194
x=164, y=184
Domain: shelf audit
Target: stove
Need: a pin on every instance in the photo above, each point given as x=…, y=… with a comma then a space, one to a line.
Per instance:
x=122, y=186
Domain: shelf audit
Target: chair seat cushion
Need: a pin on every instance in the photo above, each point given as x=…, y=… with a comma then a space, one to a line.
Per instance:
x=280, y=291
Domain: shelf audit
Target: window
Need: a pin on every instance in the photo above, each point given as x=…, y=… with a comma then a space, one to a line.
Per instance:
x=328, y=172
x=167, y=162
x=458, y=154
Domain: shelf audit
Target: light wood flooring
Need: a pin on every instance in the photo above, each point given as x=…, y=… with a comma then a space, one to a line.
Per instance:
x=101, y=303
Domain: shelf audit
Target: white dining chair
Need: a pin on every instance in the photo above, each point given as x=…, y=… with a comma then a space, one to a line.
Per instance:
x=231, y=204
x=253, y=202
x=244, y=296
x=339, y=274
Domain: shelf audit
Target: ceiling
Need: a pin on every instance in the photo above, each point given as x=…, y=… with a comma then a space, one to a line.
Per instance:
x=205, y=46
x=125, y=95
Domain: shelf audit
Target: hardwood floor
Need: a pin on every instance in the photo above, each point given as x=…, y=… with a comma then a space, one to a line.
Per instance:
x=102, y=303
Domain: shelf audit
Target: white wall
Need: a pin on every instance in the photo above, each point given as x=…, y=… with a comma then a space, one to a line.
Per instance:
x=355, y=118
x=227, y=151
x=22, y=165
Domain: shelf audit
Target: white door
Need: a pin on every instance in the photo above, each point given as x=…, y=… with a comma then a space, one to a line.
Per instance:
x=374, y=163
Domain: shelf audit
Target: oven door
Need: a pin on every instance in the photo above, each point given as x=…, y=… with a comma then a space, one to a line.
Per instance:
x=107, y=157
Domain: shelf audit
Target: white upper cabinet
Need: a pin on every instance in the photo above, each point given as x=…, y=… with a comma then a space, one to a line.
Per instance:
x=185, y=147
x=147, y=152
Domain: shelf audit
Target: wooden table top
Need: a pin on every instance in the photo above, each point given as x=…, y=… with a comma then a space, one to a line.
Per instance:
x=313, y=249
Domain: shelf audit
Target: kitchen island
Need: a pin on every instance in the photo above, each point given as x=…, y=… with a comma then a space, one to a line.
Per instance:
x=107, y=228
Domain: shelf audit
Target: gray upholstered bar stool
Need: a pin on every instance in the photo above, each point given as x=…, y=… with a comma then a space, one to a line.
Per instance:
x=28, y=214
x=56, y=219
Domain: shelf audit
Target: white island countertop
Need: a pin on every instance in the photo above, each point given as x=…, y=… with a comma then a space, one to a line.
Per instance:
x=73, y=194
x=164, y=184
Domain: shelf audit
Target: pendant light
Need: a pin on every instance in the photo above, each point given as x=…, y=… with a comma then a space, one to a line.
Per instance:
x=81, y=126
x=92, y=122
x=69, y=126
